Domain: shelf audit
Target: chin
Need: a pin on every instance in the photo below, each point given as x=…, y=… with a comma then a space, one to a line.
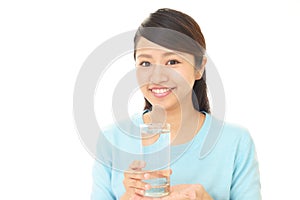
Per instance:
x=165, y=106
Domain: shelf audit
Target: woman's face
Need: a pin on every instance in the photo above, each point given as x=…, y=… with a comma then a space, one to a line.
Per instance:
x=166, y=77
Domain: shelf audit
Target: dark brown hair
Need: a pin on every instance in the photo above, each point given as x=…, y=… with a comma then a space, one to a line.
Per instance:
x=187, y=38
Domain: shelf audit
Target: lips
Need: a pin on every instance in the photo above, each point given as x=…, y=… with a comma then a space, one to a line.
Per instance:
x=161, y=91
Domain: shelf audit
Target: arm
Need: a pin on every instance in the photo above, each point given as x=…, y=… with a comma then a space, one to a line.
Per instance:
x=245, y=179
x=101, y=183
x=102, y=169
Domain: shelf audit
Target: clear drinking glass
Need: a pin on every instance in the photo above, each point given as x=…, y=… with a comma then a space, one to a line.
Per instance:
x=155, y=140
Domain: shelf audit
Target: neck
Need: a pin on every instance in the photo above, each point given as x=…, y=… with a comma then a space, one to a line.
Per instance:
x=185, y=121
x=181, y=114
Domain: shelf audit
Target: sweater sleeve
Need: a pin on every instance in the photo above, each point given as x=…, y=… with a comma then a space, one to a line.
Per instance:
x=245, y=179
x=101, y=182
x=102, y=171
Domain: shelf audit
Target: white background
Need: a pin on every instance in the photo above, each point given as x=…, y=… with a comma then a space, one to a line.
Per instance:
x=254, y=44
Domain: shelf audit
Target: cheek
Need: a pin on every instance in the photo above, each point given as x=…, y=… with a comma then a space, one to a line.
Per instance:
x=142, y=77
x=185, y=78
x=144, y=89
x=191, y=80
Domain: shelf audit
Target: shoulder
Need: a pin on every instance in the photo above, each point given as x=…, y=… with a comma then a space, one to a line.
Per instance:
x=224, y=129
x=228, y=140
x=218, y=134
x=227, y=134
x=235, y=132
x=235, y=138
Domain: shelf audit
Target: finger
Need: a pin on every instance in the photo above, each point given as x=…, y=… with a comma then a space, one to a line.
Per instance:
x=192, y=195
x=178, y=196
x=189, y=193
x=179, y=193
x=136, y=197
x=137, y=184
x=139, y=192
x=139, y=175
x=159, y=174
x=165, y=172
x=132, y=192
x=137, y=165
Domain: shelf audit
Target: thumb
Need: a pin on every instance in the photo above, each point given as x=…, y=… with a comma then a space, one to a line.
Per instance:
x=166, y=172
x=137, y=164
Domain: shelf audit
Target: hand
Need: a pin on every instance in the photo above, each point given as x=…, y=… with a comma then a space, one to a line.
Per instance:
x=182, y=192
x=132, y=182
x=133, y=179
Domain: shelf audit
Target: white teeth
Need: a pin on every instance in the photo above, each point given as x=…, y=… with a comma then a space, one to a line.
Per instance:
x=160, y=91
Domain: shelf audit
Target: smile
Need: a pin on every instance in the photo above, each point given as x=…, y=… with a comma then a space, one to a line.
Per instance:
x=161, y=92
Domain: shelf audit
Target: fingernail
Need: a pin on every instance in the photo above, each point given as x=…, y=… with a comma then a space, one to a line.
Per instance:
x=147, y=186
x=147, y=176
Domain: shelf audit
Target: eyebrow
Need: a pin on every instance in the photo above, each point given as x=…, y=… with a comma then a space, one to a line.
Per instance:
x=150, y=56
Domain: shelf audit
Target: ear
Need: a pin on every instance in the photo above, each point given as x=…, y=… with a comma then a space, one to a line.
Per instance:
x=199, y=71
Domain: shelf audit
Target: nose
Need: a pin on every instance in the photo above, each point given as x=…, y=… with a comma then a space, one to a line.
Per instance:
x=158, y=74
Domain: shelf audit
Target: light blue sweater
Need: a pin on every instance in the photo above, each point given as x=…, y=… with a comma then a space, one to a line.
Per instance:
x=222, y=160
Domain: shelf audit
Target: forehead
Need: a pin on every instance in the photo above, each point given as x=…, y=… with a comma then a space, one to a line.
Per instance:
x=146, y=46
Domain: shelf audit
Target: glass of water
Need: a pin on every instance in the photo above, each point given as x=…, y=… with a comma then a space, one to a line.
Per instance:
x=155, y=146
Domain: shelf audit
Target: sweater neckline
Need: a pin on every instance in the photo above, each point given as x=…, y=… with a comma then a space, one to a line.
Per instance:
x=197, y=140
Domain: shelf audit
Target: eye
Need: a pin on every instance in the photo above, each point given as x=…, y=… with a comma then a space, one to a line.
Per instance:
x=173, y=62
x=145, y=64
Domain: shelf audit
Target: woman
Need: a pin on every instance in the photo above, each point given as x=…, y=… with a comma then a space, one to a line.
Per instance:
x=170, y=62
